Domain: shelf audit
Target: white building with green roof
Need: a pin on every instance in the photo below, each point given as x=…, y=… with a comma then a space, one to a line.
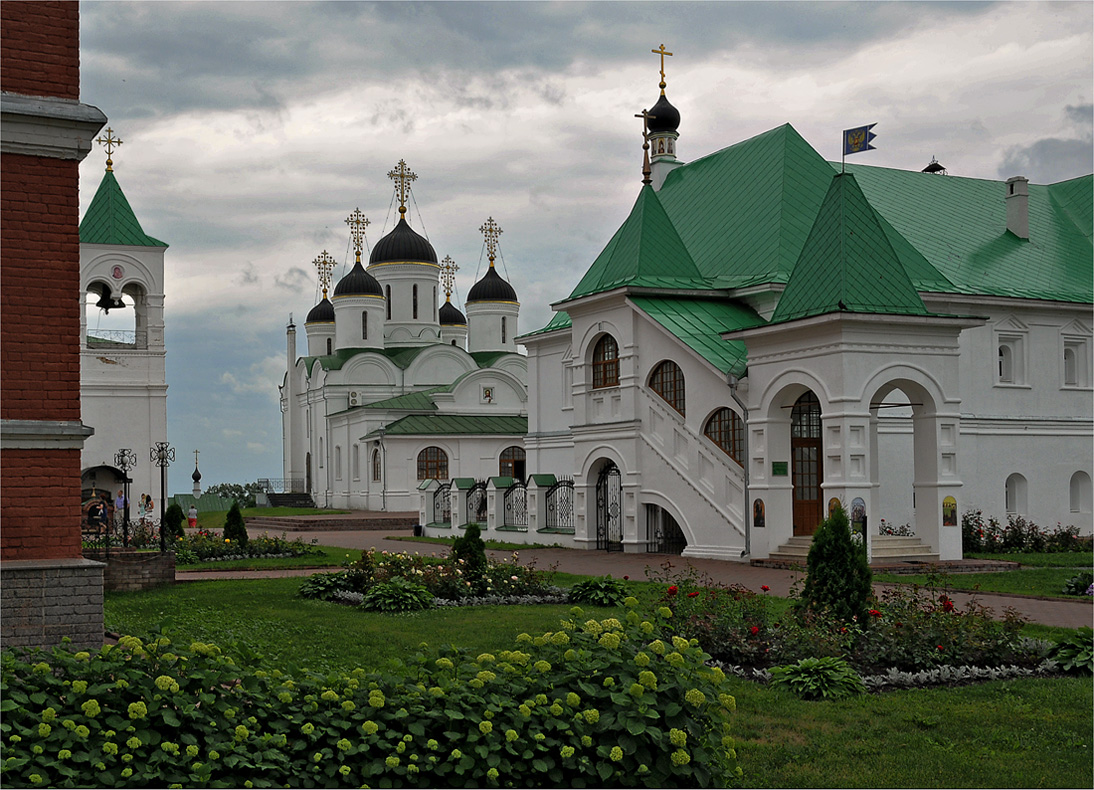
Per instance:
x=765, y=336
x=398, y=389
x=123, y=374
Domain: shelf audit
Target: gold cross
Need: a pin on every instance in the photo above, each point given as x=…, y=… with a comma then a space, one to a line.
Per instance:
x=402, y=177
x=196, y=458
x=448, y=276
x=324, y=264
x=109, y=142
x=357, y=223
x=662, y=52
x=491, y=230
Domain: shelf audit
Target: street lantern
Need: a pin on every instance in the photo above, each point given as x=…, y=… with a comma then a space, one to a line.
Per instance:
x=125, y=459
x=162, y=455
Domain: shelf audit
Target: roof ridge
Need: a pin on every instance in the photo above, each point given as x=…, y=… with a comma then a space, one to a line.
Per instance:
x=110, y=219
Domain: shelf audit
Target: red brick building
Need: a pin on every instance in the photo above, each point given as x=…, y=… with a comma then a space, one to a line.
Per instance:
x=47, y=589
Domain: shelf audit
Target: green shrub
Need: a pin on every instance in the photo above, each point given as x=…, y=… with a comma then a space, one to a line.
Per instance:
x=603, y=703
x=1076, y=653
x=828, y=677
x=469, y=552
x=323, y=585
x=1078, y=584
x=397, y=595
x=838, y=575
x=604, y=591
x=173, y=519
x=234, y=528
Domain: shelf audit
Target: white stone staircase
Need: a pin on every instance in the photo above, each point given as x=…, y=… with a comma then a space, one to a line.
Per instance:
x=887, y=549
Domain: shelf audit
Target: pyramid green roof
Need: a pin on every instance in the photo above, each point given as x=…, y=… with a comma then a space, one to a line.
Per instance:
x=110, y=219
x=847, y=263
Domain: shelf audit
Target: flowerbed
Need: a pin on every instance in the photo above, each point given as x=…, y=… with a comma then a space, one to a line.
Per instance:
x=209, y=546
x=448, y=581
x=1018, y=535
x=600, y=703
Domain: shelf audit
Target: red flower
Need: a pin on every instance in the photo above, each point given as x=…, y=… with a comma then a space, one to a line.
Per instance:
x=755, y=630
x=875, y=613
x=765, y=588
x=940, y=647
x=626, y=578
x=673, y=590
x=692, y=594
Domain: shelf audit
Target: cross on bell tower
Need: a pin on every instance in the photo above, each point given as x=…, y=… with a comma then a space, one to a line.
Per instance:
x=110, y=142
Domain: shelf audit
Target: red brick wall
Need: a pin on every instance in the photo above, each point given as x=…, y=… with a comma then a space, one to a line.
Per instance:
x=40, y=289
x=40, y=502
x=40, y=48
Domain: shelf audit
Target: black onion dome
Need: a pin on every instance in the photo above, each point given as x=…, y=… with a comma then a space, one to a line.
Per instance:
x=665, y=117
x=450, y=316
x=358, y=283
x=403, y=244
x=196, y=476
x=322, y=312
x=491, y=288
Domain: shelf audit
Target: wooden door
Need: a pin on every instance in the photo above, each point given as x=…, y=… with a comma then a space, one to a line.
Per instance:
x=807, y=466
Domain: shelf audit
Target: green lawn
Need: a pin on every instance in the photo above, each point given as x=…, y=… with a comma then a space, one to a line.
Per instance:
x=1082, y=560
x=332, y=557
x=214, y=519
x=1047, y=582
x=1019, y=733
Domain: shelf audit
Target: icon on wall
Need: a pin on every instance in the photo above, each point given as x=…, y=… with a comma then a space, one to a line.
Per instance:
x=758, y=517
x=949, y=512
x=858, y=515
x=833, y=503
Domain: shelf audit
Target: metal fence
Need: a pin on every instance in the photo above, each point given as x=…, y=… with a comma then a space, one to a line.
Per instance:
x=560, y=506
x=515, y=505
x=442, y=504
x=476, y=504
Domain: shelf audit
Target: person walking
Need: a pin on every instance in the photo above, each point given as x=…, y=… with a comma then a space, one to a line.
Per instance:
x=120, y=504
x=192, y=516
x=96, y=515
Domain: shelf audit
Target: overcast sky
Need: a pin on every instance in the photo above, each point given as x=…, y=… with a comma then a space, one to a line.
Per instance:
x=251, y=130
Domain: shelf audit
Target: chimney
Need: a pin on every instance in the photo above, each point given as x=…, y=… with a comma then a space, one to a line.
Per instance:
x=1018, y=206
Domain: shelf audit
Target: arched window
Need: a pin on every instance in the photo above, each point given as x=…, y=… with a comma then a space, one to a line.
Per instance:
x=387, y=294
x=355, y=462
x=1080, y=493
x=1006, y=364
x=1016, y=495
x=376, y=467
x=503, y=329
x=727, y=430
x=330, y=346
x=337, y=462
x=434, y=303
x=432, y=464
x=414, y=299
x=606, y=363
x=667, y=380
x=511, y=462
x=364, y=325
x=1071, y=368
x=320, y=452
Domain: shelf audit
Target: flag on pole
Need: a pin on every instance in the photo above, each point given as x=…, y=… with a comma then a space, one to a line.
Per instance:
x=858, y=140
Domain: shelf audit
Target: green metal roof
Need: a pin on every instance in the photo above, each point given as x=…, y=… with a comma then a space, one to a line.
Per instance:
x=698, y=323
x=560, y=320
x=412, y=401
x=449, y=424
x=959, y=226
x=645, y=251
x=485, y=359
x=402, y=357
x=847, y=263
x=110, y=220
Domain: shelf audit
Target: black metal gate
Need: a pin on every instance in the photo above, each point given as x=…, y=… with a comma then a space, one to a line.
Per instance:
x=609, y=509
x=560, y=506
x=476, y=504
x=668, y=538
x=515, y=504
x=442, y=504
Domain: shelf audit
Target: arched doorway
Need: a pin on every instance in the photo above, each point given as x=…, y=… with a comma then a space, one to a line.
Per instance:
x=807, y=467
x=609, y=508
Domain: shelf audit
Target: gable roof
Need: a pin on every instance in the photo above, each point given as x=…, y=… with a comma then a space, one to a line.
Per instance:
x=699, y=323
x=847, y=263
x=110, y=219
x=449, y=424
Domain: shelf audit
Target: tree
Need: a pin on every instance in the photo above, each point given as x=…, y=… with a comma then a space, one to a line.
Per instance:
x=234, y=528
x=172, y=521
x=243, y=493
x=839, y=578
x=470, y=548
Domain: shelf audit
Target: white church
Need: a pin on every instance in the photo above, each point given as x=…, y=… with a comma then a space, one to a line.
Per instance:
x=768, y=333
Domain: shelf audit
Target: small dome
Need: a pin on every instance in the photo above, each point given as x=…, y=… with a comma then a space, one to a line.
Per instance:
x=403, y=244
x=196, y=476
x=321, y=313
x=450, y=316
x=358, y=283
x=665, y=117
x=491, y=288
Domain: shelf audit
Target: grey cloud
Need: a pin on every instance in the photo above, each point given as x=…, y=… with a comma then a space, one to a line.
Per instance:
x=295, y=279
x=1049, y=160
x=248, y=275
x=1082, y=115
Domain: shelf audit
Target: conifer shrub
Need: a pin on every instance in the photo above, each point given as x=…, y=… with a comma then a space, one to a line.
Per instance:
x=838, y=579
x=469, y=552
x=234, y=528
x=172, y=521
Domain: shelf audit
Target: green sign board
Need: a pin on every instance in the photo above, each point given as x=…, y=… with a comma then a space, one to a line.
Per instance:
x=778, y=468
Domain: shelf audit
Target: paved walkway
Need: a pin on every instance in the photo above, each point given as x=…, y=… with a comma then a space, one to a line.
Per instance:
x=1053, y=612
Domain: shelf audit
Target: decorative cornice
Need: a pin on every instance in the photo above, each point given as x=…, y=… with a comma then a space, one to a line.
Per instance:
x=44, y=434
x=47, y=126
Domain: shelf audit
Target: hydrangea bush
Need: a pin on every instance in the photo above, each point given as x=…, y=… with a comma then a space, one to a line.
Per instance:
x=603, y=703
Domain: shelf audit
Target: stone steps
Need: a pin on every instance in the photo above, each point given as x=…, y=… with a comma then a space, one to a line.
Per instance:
x=337, y=523
x=886, y=549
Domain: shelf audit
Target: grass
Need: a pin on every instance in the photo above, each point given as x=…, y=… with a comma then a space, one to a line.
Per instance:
x=1044, y=582
x=1019, y=733
x=1083, y=560
x=214, y=519
x=332, y=557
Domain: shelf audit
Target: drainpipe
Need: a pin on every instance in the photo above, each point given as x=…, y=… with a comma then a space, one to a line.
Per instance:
x=733, y=382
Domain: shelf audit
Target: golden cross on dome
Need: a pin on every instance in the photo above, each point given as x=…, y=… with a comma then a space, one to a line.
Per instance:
x=662, y=52
x=357, y=223
x=448, y=276
x=324, y=264
x=402, y=177
x=196, y=458
x=490, y=231
x=109, y=142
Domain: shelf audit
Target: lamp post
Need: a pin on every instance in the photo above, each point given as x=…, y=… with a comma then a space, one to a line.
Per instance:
x=162, y=455
x=125, y=460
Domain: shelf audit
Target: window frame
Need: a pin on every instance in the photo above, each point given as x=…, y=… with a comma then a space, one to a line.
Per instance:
x=432, y=459
x=729, y=433
x=668, y=382
x=605, y=363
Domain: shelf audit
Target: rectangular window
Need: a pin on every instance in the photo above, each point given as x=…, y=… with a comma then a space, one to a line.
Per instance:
x=364, y=325
x=355, y=464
